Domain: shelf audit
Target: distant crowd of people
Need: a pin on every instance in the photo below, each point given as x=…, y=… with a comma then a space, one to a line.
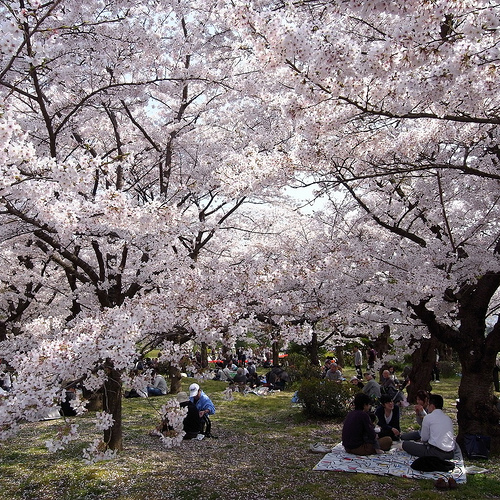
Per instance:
x=243, y=378
x=388, y=384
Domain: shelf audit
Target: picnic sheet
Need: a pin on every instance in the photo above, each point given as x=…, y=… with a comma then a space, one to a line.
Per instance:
x=392, y=463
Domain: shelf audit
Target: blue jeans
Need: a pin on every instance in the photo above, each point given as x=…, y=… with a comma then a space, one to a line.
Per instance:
x=154, y=391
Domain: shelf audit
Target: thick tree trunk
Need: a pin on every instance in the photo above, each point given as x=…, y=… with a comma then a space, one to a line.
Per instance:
x=94, y=400
x=476, y=349
x=276, y=354
x=477, y=407
x=422, y=362
x=204, y=355
x=381, y=343
x=313, y=349
x=339, y=354
x=112, y=403
x=3, y=331
x=175, y=379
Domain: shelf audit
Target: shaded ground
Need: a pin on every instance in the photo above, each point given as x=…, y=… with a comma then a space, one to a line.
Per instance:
x=261, y=453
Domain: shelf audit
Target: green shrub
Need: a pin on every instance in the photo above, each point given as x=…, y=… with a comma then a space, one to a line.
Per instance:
x=300, y=368
x=323, y=398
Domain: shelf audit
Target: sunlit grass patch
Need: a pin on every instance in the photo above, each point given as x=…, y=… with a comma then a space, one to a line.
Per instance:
x=262, y=452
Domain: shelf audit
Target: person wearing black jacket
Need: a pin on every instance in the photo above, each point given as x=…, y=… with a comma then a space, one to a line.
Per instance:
x=388, y=418
x=192, y=421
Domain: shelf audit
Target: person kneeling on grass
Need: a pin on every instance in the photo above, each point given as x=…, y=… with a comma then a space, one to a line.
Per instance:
x=204, y=406
x=358, y=432
x=191, y=423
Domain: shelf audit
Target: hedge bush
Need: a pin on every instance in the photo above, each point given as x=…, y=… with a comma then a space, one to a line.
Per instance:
x=300, y=368
x=324, y=398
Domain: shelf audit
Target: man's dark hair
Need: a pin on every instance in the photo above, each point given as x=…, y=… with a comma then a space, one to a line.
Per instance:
x=385, y=398
x=360, y=400
x=436, y=400
x=423, y=395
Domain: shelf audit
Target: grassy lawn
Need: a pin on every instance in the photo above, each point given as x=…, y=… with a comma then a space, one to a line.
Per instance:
x=261, y=453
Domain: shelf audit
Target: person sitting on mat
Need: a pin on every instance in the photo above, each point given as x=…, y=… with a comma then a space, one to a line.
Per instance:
x=358, y=432
x=437, y=439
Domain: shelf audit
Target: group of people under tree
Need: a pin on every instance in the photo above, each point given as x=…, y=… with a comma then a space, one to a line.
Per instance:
x=242, y=378
x=388, y=385
x=366, y=432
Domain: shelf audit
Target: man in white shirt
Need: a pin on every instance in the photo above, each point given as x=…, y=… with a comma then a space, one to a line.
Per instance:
x=436, y=435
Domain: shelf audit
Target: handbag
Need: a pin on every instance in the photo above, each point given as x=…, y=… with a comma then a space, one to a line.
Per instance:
x=477, y=446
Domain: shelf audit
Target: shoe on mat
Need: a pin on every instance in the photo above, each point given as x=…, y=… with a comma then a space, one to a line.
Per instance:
x=452, y=483
x=441, y=484
x=320, y=448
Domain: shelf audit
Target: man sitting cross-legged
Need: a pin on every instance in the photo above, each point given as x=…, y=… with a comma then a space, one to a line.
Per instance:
x=436, y=435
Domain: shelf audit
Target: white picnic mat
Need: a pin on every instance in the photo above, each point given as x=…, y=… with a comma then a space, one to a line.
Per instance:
x=393, y=463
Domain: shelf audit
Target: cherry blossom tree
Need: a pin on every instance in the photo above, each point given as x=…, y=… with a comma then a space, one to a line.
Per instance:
x=396, y=104
x=133, y=135
x=116, y=175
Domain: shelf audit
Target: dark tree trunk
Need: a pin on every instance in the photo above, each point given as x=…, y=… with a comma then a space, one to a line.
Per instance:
x=112, y=403
x=477, y=407
x=204, y=355
x=339, y=352
x=276, y=353
x=313, y=349
x=175, y=379
x=445, y=352
x=381, y=344
x=94, y=400
x=476, y=349
x=422, y=362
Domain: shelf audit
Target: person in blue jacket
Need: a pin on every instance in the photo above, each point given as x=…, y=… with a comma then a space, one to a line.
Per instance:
x=204, y=406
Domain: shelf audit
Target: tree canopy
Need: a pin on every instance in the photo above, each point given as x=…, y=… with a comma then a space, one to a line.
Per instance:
x=147, y=156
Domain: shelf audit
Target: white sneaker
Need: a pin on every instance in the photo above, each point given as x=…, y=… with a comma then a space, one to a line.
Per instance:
x=320, y=448
x=199, y=437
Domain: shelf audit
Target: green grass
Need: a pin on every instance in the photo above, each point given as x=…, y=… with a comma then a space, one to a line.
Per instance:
x=262, y=452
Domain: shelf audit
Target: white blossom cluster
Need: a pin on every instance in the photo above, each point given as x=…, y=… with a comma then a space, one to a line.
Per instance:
x=172, y=413
x=149, y=156
x=66, y=434
x=98, y=452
